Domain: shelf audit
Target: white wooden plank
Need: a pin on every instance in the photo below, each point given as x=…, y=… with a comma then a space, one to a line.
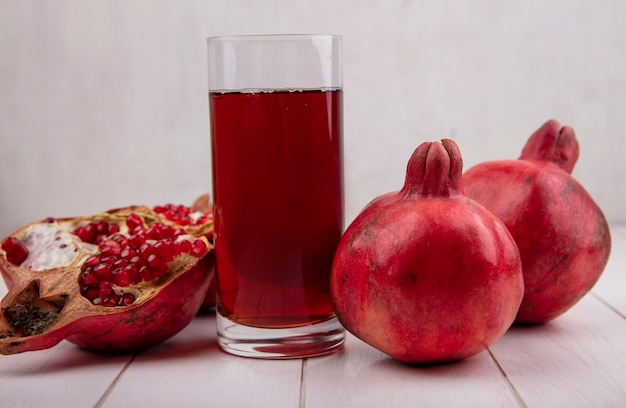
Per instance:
x=64, y=376
x=611, y=287
x=189, y=370
x=577, y=360
x=361, y=376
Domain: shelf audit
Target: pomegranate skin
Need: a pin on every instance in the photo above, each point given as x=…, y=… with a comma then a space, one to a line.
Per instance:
x=562, y=234
x=427, y=275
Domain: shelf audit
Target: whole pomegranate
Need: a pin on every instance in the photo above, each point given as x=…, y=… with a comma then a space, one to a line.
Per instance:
x=427, y=275
x=562, y=234
x=125, y=279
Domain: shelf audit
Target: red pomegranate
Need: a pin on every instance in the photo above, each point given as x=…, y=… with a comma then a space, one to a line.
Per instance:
x=426, y=274
x=125, y=279
x=562, y=234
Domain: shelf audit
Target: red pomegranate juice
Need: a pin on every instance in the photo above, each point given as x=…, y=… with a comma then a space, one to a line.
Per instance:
x=278, y=194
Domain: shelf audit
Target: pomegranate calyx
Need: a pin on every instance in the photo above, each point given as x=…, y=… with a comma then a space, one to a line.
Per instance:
x=553, y=144
x=434, y=170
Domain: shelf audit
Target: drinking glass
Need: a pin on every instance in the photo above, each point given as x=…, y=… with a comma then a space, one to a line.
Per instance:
x=276, y=140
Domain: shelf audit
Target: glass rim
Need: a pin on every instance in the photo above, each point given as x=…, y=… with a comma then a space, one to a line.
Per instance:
x=271, y=37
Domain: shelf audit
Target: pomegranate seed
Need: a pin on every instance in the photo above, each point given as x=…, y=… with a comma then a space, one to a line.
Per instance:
x=135, y=241
x=79, y=232
x=181, y=219
x=16, y=252
x=86, y=268
x=133, y=274
x=153, y=261
x=145, y=273
x=109, y=243
x=121, y=263
x=111, y=301
x=145, y=251
x=105, y=290
x=103, y=272
x=154, y=232
x=91, y=292
x=136, y=260
x=92, y=261
x=109, y=260
x=199, y=249
x=168, y=232
x=184, y=247
x=163, y=250
x=111, y=251
x=119, y=239
x=91, y=233
x=102, y=228
x=87, y=278
x=127, y=299
x=114, y=228
x=121, y=277
x=87, y=233
x=133, y=222
x=128, y=254
x=203, y=219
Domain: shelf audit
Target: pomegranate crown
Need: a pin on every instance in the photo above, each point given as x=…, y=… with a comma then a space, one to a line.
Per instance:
x=553, y=144
x=434, y=170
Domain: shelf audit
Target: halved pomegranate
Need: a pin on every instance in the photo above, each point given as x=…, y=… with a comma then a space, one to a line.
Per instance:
x=125, y=279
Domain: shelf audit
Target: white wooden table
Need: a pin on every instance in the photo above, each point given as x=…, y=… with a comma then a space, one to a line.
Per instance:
x=578, y=360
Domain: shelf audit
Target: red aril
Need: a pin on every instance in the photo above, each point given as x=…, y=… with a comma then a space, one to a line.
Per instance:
x=426, y=274
x=15, y=251
x=562, y=234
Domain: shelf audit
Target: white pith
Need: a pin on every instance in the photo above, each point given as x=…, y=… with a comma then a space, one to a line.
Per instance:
x=49, y=246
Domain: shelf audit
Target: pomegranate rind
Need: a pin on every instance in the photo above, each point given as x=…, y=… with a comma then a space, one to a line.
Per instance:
x=427, y=275
x=51, y=308
x=562, y=234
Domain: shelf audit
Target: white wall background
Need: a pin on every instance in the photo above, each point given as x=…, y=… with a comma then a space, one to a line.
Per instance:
x=104, y=103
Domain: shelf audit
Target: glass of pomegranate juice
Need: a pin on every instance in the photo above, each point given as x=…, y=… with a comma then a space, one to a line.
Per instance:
x=276, y=136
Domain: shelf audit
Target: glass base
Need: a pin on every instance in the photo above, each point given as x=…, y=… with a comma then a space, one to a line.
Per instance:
x=295, y=342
